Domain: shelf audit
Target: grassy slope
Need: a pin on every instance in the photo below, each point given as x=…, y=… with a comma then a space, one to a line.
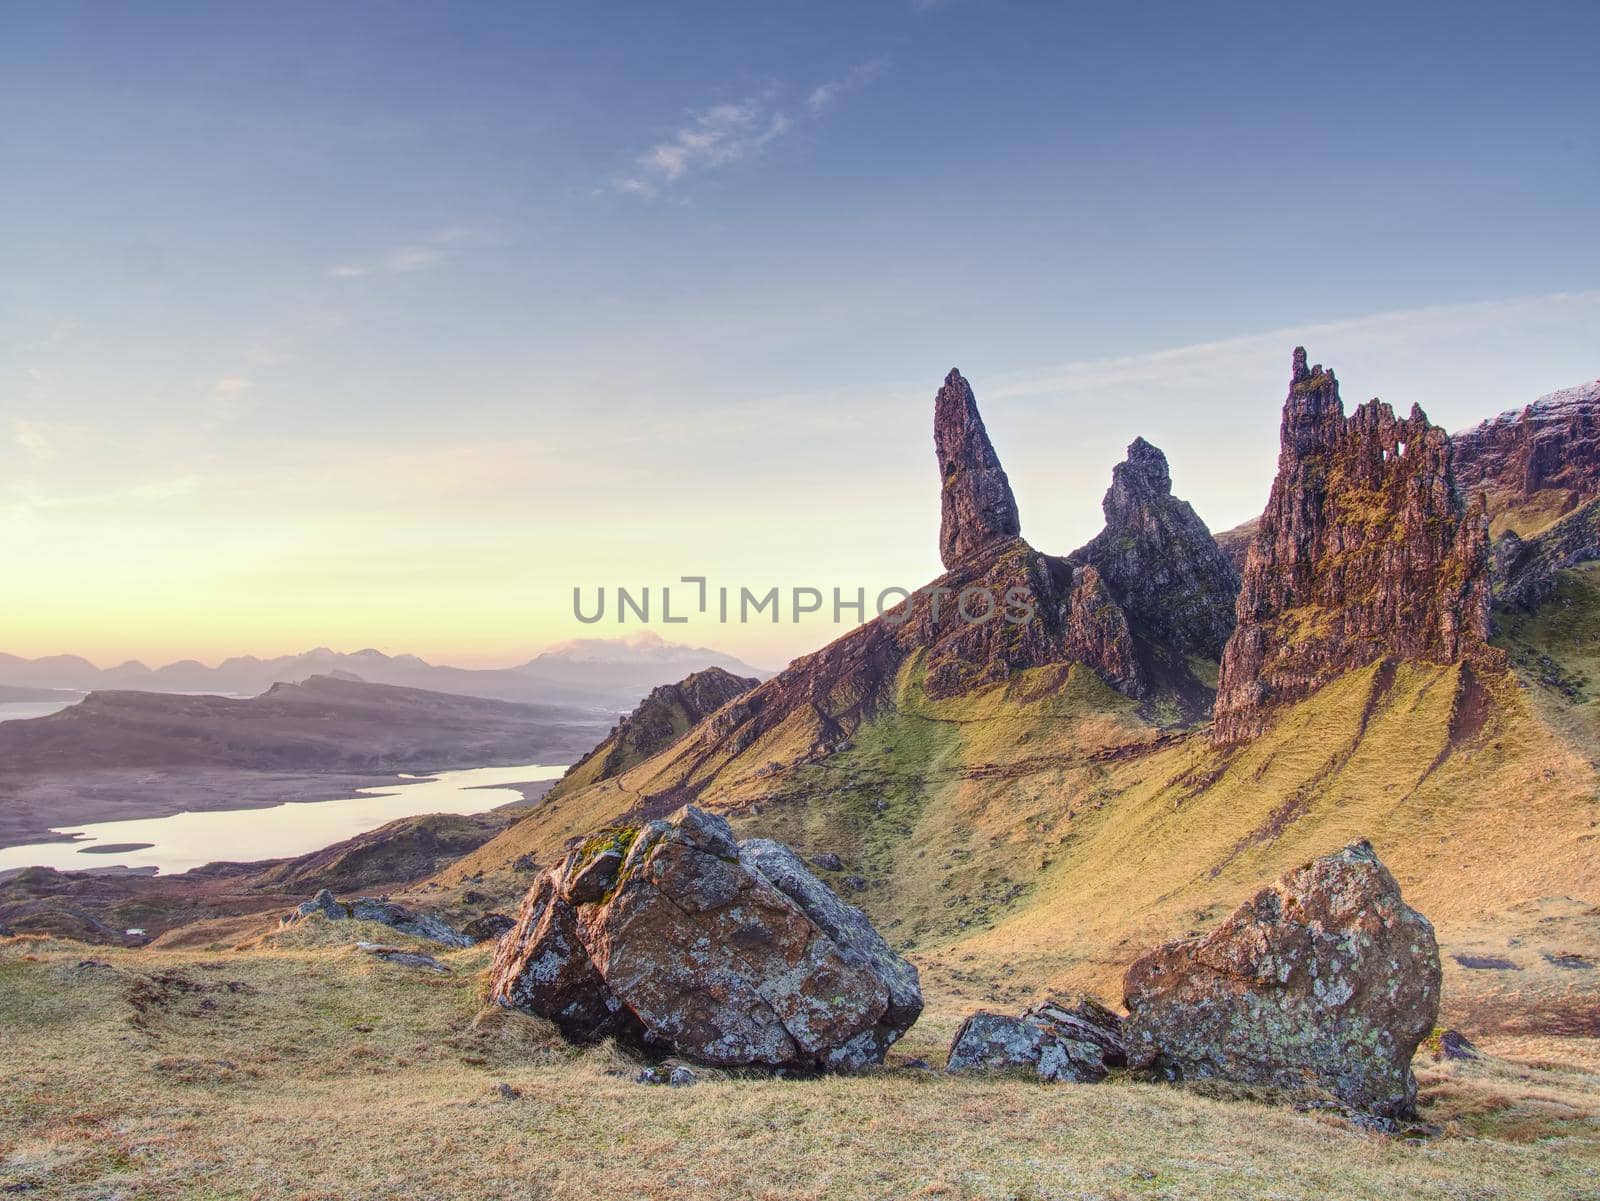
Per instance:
x=1039, y=834
x=302, y=1068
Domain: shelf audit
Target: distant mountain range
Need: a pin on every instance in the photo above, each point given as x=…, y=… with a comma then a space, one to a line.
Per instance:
x=599, y=673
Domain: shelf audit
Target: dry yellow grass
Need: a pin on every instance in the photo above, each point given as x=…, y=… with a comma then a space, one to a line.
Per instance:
x=302, y=1068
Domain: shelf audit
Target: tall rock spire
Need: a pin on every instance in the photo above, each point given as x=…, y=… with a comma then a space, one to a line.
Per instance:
x=976, y=508
x=1159, y=560
x=1365, y=551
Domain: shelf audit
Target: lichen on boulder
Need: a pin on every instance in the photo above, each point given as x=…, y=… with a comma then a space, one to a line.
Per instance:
x=1325, y=980
x=674, y=936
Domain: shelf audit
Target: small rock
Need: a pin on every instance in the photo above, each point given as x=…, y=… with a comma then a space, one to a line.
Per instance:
x=487, y=927
x=1485, y=963
x=402, y=957
x=855, y=884
x=1075, y=1042
x=509, y=1093
x=472, y=897
x=829, y=862
x=1570, y=960
x=384, y=912
x=1454, y=1045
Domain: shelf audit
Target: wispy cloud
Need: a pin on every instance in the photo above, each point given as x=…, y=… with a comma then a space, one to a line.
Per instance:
x=33, y=440
x=733, y=132
x=824, y=95
x=421, y=255
x=714, y=137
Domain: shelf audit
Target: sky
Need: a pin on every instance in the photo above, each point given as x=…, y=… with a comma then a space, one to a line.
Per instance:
x=389, y=325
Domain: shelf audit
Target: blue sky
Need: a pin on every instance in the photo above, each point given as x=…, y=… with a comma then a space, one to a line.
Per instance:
x=389, y=323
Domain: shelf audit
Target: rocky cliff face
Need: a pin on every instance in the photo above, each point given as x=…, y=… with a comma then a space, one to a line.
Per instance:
x=1159, y=560
x=1534, y=464
x=1365, y=550
x=976, y=508
x=659, y=720
x=1526, y=570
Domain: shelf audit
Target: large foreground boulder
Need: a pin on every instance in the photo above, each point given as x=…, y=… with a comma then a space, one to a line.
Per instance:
x=675, y=936
x=1326, y=979
x=1075, y=1041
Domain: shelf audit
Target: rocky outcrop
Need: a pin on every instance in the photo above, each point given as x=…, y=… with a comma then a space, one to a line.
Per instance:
x=1075, y=1041
x=1526, y=570
x=658, y=721
x=976, y=508
x=1160, y=562
x=1537, y=463
x=1001, y=608
x=385, y=913
x=674, y=936
x=1098, y=633
x=487, y=927
x=1365, y=551
x=1326, y=980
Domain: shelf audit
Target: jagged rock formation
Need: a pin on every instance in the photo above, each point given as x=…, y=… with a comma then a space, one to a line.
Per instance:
x=674, y=935
x=657, y=722
x=1159, y=560
x=1534, y=464
x=1324, y=979
x=976, y=508
x=1077, y=1041
x=1002, y=608
x=1365, y=551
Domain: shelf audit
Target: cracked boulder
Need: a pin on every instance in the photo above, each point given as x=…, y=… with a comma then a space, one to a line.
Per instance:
x=674, y=936
x=1325, y=980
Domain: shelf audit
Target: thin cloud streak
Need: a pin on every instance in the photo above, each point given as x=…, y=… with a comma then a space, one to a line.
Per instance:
x=730, y=133
x=824, y=95
x=432, y=251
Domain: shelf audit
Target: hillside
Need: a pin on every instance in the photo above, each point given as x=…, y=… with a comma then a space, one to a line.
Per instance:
x=323, y=723
x=658, y=721
x=1536, y=464
x=126, y=755
x=1034, y=828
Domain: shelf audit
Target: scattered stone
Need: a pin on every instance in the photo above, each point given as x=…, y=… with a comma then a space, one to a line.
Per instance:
x=1075, y=1042
x=508, y=1092
x=489, y=926
x=403, y=957
x=524, y=863
x=672, y=1075
x=386, y=913
x=673, y=936
x=829, y=862
x=1485, y=963
x=1325, y=979
x=1570, y=960
x=472, y=897
x=1454, y=1045
x=855, y=884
